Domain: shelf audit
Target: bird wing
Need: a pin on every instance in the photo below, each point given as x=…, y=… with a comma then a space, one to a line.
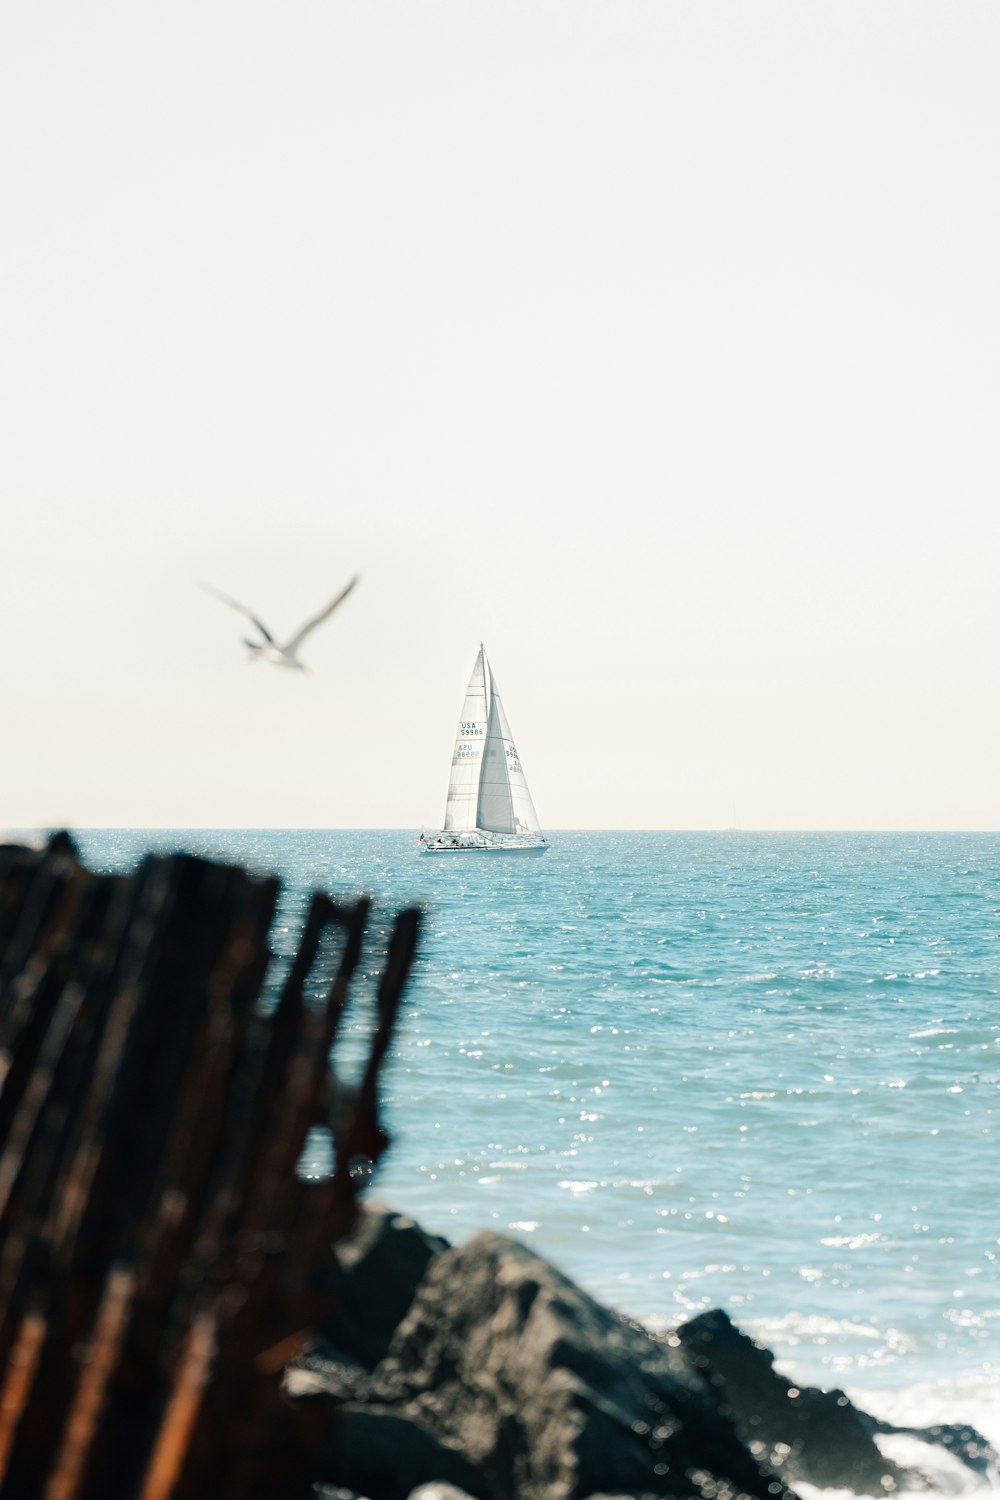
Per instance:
x=318, y=619
x=242, y=609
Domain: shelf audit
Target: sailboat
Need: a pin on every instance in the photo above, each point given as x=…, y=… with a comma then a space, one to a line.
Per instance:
x=489, y=807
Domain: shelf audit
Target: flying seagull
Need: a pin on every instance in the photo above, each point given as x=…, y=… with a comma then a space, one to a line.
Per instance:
x=267, y=648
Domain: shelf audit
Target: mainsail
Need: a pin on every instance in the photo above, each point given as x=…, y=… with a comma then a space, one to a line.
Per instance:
x=463, y=787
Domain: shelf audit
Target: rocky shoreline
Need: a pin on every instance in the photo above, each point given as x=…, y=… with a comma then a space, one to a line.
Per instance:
x=481, y=1371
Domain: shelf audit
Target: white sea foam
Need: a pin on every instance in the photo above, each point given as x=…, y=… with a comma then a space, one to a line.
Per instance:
x=974, y=1399
x=792, y=1329
x=974, y=1403
x=854, y=1241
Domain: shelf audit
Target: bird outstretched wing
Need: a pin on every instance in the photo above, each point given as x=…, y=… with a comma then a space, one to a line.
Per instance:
x=323, y=615
x=242, y=609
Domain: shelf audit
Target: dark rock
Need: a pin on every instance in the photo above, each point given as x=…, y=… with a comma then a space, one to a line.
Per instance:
x=804, y=1433
x=385, y=1454
x=503, y=1381
x=817, y=1436
x=376, y=1272
x=549, y=1395
x=326, y=1370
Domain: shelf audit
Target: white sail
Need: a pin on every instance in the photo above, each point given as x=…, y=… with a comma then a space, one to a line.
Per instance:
x=505, y=804
x=489, y=807
x=525, y=817
x=466, y=762
x=495, y=811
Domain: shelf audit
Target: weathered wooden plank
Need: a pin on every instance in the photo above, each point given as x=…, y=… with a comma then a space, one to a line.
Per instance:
x=160, y=1260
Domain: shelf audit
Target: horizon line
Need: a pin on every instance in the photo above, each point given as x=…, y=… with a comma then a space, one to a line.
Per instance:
x=409, y=828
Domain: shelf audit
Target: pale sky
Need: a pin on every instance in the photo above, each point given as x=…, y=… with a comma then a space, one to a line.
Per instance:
x=655, y=344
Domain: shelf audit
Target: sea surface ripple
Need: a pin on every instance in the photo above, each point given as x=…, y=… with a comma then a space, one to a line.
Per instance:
x=757, y=1071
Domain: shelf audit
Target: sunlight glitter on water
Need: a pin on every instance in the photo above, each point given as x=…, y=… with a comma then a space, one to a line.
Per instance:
x=755, y=1071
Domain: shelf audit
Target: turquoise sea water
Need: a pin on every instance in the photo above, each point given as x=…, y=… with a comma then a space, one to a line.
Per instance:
x=760, y=1071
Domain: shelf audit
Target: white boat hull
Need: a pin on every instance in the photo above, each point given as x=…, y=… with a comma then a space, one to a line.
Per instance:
x=486, y=849
x=446, y=845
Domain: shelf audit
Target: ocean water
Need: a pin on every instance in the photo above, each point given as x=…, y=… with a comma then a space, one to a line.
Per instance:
x=756, y=1071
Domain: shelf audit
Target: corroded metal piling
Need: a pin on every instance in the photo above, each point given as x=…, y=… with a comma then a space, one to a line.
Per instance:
x=160, y=1259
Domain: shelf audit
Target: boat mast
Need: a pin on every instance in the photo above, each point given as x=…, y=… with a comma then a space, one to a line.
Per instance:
x=487, y=698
